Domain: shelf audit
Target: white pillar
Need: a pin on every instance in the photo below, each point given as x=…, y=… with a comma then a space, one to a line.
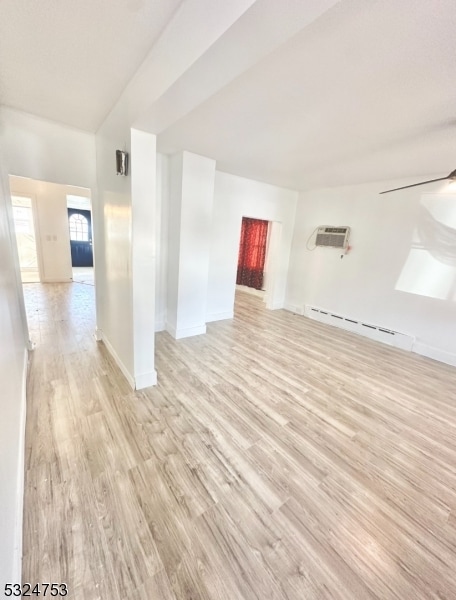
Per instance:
x=190, y=217
x=143, y=244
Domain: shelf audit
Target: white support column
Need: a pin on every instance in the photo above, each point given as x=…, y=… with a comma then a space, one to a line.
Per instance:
x=190, y=217
x=143, y=199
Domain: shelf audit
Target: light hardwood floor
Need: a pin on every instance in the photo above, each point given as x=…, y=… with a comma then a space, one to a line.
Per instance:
x=278, y=458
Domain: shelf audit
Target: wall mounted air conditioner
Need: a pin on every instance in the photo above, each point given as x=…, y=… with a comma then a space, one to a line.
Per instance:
x=332, y=237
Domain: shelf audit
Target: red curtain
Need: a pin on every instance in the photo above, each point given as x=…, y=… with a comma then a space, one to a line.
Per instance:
x=252, y=253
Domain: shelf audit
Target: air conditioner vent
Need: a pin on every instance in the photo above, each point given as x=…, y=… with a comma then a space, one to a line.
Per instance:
x=332, y=237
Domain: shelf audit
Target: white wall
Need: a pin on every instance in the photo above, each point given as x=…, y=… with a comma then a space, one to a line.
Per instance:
x=51, y=218
x=125, y=249
x=161, y=232
x=47, y=151
x=401, y=271
x=143, y=195
x=191, y=202
x=13, y=363
x=176, y=165
x=234, y=198
x=112, y=215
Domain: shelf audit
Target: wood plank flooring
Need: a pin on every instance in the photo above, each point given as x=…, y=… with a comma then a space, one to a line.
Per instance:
x=278, y=458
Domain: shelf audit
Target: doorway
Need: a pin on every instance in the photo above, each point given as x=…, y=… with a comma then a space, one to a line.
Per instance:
x=42, y=222
x=252, y=253
x=81, y=245
x=80, y=224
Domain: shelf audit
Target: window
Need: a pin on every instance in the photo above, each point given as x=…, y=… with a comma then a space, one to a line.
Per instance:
x=79, y=228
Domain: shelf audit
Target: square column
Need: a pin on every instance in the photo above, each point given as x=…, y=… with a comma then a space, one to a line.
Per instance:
x=190, y=218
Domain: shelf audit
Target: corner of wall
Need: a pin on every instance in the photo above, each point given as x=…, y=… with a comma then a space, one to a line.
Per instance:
x=160, y=325
x=17, y=562
x=101, y=337
x=221, y=316
x=443, y=356
x=146, y=380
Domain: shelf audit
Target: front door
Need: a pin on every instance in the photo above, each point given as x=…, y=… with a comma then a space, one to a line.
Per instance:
x=80, y=223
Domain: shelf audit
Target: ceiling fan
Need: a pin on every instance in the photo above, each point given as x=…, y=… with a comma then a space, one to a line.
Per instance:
x=451, y=176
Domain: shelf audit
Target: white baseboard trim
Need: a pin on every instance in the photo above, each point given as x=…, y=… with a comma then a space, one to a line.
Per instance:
x=17, y=564
x=171, y=330
x=57, y=280
x=219, y=316
x=160, y=326
x=294, y=308
x=102, y=338
x=436, y=353
x=146, y=380
x=179, y=334
x=249, y=290
x=275, y=306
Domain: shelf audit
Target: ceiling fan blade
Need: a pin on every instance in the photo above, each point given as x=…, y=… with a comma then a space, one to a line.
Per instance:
x=416, y=184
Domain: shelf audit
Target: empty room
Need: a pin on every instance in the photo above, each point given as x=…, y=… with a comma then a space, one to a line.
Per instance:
x=228, y=300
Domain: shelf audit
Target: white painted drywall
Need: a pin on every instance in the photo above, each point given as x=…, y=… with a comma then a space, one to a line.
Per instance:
x=45, y=150
x=51, y=218
x=48, y=153
x=174, y=219
x=143, y=198
x=13, y=364
x=192, y=193
x=113, y=274
x=125, y=250
x=161, y=232
x=234, y=198
x=399, y=242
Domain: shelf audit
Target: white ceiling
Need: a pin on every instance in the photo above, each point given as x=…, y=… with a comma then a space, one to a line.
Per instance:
x=69, y=60
x=364, y=93
x=300, y=94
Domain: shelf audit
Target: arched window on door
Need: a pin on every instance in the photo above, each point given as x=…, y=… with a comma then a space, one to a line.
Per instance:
x=79, y=228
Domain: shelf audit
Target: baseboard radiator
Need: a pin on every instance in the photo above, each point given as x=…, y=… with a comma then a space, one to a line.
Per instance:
x=374, y=332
